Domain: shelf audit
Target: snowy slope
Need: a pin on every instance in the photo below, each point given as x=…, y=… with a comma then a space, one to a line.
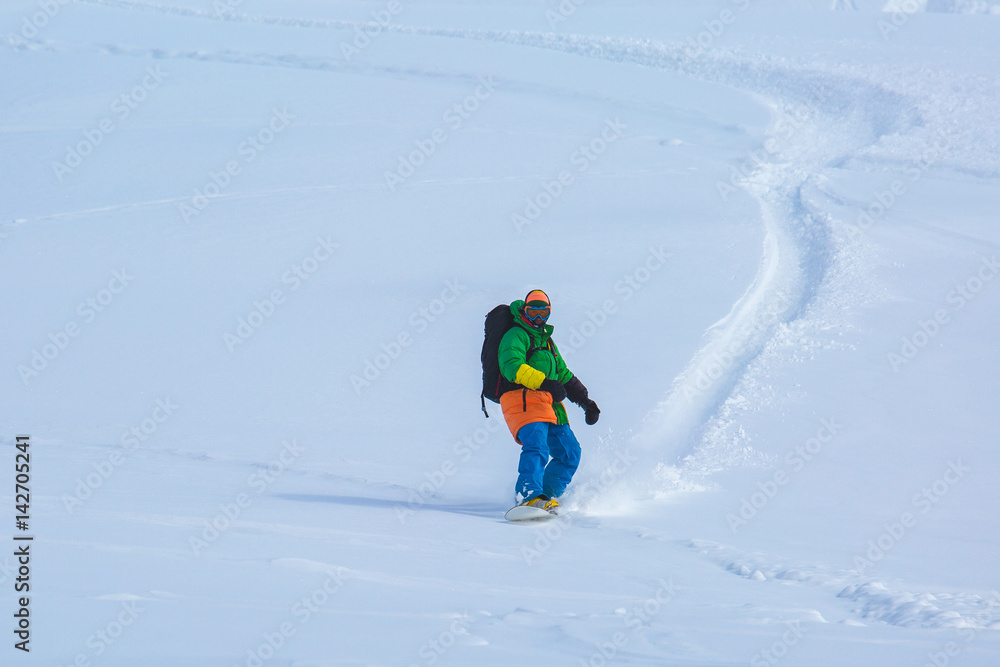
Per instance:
x=246, y=248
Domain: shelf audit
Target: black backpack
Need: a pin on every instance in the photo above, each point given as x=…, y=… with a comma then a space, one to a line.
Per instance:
x=498, y=322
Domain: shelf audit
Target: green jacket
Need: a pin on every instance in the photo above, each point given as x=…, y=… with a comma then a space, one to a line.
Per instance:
x=514, y=348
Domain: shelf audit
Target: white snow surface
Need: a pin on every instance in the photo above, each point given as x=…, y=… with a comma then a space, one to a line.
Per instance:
x=246, y=248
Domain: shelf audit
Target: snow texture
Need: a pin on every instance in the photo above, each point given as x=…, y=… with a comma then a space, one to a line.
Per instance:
x=246, y=249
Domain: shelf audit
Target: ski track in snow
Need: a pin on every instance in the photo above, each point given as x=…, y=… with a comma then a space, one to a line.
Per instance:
x=841, y=115
x=796, y=251
x=875, y=600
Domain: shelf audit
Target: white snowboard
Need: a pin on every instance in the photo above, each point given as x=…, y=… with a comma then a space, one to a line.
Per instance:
x=527, y=513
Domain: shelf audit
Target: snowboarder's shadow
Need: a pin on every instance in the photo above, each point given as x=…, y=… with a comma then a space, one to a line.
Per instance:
x=403, y=508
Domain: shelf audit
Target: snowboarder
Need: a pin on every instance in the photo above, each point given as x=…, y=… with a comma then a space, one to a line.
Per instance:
x=533, y=409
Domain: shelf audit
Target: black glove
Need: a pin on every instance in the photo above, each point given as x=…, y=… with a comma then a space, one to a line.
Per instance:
x=579, y=395
x=554, y=387
x=576, y=391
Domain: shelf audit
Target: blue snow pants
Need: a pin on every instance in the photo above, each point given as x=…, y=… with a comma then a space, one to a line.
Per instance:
x=536, y=472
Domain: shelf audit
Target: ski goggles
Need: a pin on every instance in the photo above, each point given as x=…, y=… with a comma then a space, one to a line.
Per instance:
x=537, y=314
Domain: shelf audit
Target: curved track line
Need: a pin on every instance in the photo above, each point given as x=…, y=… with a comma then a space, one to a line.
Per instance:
x=796, y=251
